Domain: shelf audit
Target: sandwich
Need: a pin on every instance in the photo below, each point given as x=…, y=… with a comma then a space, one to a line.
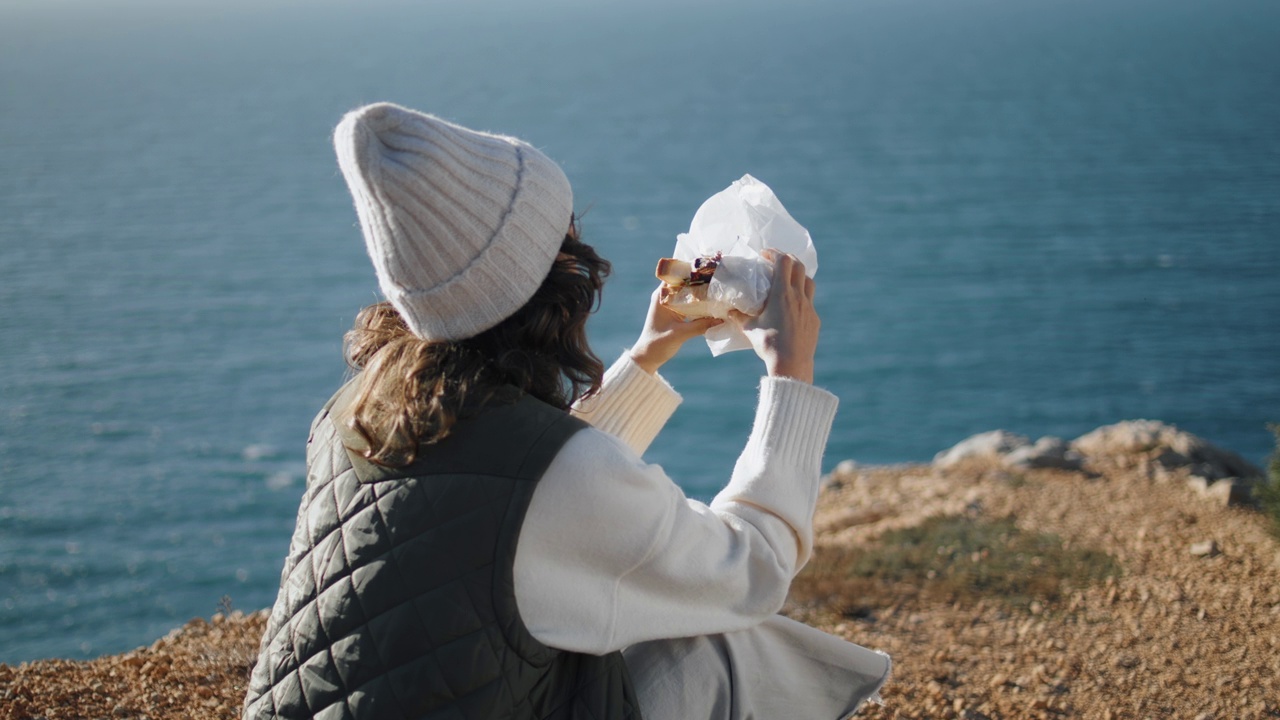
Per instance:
x=677, y=274
x=686, y=284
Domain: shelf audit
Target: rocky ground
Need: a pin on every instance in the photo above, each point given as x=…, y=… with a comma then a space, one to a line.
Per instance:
x=197, y=671
x=1110, y=577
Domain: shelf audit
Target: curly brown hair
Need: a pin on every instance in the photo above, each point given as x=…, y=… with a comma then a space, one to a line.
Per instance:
x=412, y=391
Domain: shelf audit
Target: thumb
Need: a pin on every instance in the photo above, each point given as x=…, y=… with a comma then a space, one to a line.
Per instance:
x=740, y=317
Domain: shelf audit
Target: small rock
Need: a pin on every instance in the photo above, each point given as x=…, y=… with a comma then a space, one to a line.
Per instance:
x=1048, y=452
x=1230, y=491
x=1208, y=548
x=133, y=660
x=1221, y=493
x=1127, y=660
x=984, y=445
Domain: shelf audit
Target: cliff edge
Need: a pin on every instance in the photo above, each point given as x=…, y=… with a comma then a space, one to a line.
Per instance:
x=1123, y=574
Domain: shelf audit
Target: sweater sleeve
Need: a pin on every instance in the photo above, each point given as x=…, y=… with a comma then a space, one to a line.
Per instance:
x=631, y=404
x=612, y=553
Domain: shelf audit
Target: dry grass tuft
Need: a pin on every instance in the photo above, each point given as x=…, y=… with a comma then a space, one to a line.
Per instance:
x=955, y=560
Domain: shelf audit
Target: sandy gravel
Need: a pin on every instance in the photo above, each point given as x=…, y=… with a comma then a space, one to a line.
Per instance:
x=196, y=671
x=1172, y=635
x=1175, y=635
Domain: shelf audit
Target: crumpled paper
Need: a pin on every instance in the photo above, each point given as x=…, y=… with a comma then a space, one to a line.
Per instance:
x=740, y=222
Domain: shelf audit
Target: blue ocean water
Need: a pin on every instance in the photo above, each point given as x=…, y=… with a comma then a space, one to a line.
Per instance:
x=1042, y=217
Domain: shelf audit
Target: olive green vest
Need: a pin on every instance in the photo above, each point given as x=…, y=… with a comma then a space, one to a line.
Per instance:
x=397, y=599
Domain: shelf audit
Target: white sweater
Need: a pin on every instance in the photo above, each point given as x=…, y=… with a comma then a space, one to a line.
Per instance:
x=612, y=552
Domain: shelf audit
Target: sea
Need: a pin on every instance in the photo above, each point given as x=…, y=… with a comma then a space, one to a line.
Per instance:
x=1041, y=216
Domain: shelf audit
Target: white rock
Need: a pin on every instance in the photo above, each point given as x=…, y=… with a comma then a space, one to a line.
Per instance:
x=1224, y=492
x=1048, y=452
x=991, y=444
x=1208, y=548
x=1167, y=446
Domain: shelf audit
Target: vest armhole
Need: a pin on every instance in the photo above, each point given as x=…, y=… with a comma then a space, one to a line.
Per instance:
x=535, y=465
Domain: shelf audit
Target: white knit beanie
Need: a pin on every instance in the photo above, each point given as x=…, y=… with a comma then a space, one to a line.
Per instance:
x=462, y=226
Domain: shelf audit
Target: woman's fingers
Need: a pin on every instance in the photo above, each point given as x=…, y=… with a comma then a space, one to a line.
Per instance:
x=785, y=334
x=664, y=331
x=797, y=274
x=700, y=326
x=787, y=268
x=782, y=264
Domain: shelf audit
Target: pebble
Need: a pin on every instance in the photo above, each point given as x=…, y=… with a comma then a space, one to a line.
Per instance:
x=1207, y=548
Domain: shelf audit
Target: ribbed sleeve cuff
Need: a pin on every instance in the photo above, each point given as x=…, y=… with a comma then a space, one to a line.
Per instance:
x=632, y=404
x=793, y=421
x=780, y=468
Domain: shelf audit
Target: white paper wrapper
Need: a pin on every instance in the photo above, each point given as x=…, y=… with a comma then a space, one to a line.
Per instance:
x=740, y=222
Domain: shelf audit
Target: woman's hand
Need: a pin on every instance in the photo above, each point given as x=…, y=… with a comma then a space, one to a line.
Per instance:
x=664, y=332
x=785, y=334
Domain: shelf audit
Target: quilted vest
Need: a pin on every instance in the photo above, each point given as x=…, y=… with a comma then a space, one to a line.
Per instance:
x=397, y=599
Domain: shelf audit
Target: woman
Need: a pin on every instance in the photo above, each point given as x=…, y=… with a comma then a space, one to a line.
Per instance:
x=479, y=537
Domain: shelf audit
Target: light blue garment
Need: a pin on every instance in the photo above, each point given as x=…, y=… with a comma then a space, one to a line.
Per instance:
x=778, y=670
